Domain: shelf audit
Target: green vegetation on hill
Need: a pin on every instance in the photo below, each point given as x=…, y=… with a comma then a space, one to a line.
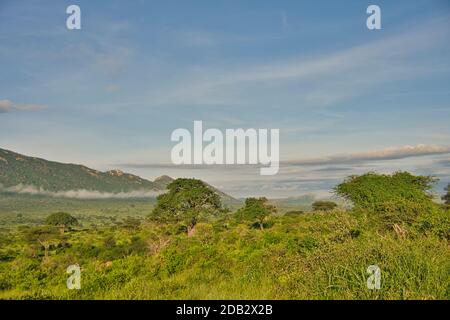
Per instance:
x=19, y=173
x=17, y=169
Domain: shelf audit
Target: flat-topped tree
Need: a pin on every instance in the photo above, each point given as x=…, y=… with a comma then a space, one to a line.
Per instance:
x=62, y=220
x=187, y=200
x=43, y=236
x=396, y=198
x=323, y=205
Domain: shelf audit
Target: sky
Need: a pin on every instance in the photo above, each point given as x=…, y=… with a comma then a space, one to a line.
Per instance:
x=346, y=99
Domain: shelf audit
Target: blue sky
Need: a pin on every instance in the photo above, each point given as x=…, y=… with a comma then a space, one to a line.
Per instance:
x=346, y=99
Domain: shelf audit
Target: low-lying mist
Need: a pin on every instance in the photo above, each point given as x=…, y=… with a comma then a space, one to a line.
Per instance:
x=79, y=194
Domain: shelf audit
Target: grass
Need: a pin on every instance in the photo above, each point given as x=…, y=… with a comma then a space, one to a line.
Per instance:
x=316, y=255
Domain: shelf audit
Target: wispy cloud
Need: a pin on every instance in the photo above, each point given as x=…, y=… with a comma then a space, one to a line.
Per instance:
x=389, y=153
x=8, y=106
x=326, y=79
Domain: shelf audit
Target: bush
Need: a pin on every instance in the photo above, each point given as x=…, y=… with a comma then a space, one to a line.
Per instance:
x=256, y=209
x=323, y=205
x=397, y=198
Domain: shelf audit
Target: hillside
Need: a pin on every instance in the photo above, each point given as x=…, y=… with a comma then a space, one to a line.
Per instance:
x=17, y=169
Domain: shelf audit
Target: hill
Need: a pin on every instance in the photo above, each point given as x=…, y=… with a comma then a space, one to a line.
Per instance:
x=17, y=169
x=63, y=178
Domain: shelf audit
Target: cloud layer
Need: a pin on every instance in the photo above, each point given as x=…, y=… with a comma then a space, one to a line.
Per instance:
x=79, y=194
x=389, y=153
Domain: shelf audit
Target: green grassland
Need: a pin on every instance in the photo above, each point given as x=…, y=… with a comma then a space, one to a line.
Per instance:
x=22, y=209
x=184, y=245
x=310, y=256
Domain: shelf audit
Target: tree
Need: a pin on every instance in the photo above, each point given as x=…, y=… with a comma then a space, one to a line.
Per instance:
x=45, y=236
x=399, y=197
x=294, y=213
x=131, y=223
x=62, y=220
x=256, y=209
x=446, y=197
x=323, y=205
x=187, y=200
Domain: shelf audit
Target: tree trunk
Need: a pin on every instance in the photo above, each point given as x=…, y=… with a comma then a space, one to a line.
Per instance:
x=46, y=247
x=190, y=231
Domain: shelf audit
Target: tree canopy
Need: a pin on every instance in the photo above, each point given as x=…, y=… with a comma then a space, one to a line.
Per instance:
x=44, y=236
x=323, y=205
x=256, y=209
x=186, y=201
x=399, y=197
x=62, y=220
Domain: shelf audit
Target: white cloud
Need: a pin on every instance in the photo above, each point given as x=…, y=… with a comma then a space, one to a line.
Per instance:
x=8, y=106
x=80, y=194
x=5, y=106
x=389, y=153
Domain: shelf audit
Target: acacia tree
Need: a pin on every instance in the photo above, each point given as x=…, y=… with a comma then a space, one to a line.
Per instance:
x=44, y=236
x=187, y=200
x=323, y=205
x=256, y=209
x=396, y=198
x=62, y=220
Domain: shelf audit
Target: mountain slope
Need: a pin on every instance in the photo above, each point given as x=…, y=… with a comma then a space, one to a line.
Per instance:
x=18, y=169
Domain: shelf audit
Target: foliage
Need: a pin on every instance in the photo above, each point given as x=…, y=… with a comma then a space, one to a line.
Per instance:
x=294, y=212
x=187, y=200
x=44, y=237
x=308, y=256
x=323, y=205
x=63, y=220
x=397, y=198
x=315, y=255
x=17, y=169
x=256, y=209
x=131, y=223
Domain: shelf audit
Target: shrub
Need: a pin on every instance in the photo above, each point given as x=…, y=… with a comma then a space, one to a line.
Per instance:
x=323, y=205
x=396, y=198
x=256, y=209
